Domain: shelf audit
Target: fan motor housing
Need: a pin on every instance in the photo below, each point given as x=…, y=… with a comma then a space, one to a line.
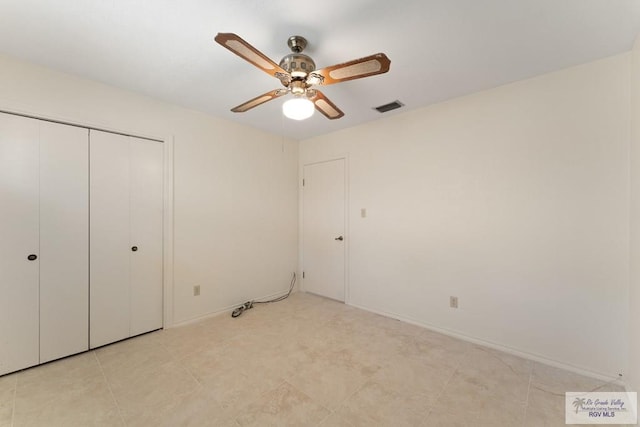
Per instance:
x=297, y=64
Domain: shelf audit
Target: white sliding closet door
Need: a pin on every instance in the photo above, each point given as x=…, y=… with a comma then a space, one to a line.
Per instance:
x=44, y=239
x=146, y=235
x=19, y=340
x=109, y=242
x=81, y=216
x=126, y=237
x=64, y=240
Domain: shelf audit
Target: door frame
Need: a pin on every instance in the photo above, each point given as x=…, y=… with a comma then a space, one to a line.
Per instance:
x=344, y=157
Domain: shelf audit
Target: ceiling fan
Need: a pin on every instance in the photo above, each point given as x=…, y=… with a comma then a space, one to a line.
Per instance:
x=297, y=73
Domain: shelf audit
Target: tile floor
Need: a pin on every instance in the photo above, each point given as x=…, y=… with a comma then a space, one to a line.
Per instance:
x=306, y=361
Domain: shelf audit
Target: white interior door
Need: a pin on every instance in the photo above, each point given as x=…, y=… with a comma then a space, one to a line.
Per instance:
x=19, y=340
x=324, y=229
x=146, y=235
x=64, y=240
x=109, y=238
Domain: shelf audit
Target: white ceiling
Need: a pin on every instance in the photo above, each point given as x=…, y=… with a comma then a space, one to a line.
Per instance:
x=439, y=49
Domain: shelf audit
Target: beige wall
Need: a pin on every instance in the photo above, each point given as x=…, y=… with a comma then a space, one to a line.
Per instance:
x=235, y=200
x=515, y=200
x=634, y=291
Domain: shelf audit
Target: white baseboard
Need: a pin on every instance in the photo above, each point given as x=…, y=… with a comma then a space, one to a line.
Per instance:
x=225, y=310
x=525, y=355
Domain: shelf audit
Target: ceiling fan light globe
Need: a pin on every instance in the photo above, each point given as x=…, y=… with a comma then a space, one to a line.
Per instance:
x=298, y=108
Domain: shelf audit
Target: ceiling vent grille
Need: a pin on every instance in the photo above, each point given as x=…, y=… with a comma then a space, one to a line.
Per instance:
x=388, y=107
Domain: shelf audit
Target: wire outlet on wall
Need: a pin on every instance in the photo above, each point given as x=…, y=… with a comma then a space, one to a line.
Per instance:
x=196, y=290
x=453, y=302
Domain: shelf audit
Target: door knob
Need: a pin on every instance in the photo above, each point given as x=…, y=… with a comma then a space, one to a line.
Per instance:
x=32, y=257
x=134, y=248
x=339, y=238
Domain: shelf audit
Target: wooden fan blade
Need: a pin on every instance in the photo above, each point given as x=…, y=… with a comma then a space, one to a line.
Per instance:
x=326, y=107
x=356, y=69
x=258, y=100
x=249, y=53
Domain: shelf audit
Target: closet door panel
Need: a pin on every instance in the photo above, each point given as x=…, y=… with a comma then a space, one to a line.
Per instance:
x=64, y=240
x=19, y=230
x=109, y=173
x=146, y=235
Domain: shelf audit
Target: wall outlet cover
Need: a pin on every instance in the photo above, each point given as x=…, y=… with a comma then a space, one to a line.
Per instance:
x=453, y=302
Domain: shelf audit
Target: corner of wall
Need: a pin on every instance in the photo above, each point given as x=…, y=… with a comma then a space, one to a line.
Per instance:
x=633, y=381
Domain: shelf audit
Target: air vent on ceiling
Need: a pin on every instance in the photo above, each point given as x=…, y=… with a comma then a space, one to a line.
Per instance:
x=390, y=106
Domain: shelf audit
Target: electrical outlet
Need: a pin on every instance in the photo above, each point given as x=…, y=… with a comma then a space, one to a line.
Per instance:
x=453, y=302
x=196, y=290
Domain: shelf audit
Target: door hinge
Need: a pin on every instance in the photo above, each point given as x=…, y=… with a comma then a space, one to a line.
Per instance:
x=303, y=182
x=303, y=274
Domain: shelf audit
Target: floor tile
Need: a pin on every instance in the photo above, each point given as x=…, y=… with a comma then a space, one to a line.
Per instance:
x=559, y=381
x=161, y=385
x=69, y=392
x=545, y=408
x=194, y=409
x=335, y=420
x=502, y=375
x=489, y=413
x=132, y=357
x=305, y=361
x=414, y=381
x=7, y=397
x=330, y=382
x=235, y=390
x=284, y=406
x=376, y=405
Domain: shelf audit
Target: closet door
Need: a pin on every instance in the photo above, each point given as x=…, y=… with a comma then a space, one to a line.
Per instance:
x=64, y=240
x=19, y=231
x=126, y=237
x=146, y=235
x=109, y=238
